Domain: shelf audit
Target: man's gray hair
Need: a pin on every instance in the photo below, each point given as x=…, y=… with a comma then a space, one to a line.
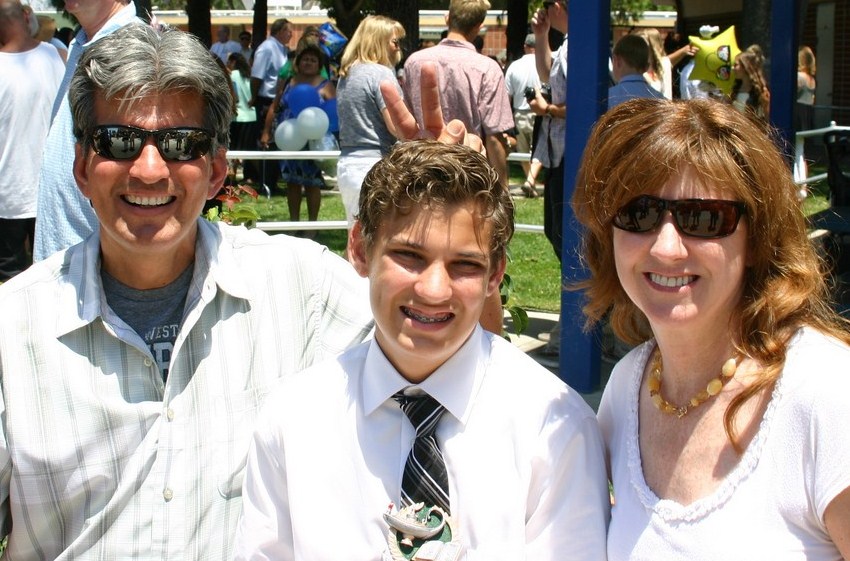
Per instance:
x=278, y=24
x=138, y=61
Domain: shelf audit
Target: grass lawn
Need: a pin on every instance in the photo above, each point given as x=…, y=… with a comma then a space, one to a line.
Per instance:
x=533, y=268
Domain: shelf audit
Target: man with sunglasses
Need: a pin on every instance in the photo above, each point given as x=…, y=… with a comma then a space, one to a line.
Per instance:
x=133, y=364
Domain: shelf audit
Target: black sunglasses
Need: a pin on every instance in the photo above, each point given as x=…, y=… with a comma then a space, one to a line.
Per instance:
x=549, y=3
x=176, y=144
x=697, y=218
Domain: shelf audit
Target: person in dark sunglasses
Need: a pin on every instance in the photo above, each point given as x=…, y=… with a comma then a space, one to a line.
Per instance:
x=725, y=426
x=134, y=363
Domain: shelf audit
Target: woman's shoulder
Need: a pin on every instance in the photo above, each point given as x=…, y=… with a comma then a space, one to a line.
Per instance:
x=814, y=345
x=817, y=366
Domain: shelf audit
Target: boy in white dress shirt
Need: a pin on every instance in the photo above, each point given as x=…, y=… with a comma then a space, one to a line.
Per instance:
x=521, y=454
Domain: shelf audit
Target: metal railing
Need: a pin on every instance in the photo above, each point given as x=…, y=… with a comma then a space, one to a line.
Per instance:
x=801, y=175
x=333, y=155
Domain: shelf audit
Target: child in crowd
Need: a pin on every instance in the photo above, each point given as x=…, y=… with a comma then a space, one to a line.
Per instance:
x=436, y=437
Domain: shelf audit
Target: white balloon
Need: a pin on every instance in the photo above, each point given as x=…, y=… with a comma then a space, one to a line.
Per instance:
x=313, y=123
x=287, y=136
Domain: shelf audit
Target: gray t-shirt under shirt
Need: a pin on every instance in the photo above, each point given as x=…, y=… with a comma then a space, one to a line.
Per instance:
x=155, y=314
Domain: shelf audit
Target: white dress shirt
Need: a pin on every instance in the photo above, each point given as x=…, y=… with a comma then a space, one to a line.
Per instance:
x=523, y=453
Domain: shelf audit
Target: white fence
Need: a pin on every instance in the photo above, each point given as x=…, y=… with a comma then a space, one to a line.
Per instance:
x=332, y=155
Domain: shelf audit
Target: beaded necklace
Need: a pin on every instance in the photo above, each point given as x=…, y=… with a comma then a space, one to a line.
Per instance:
x=653, y=382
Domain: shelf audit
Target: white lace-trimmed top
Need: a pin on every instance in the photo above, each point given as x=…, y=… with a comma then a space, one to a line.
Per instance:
x=771, y=505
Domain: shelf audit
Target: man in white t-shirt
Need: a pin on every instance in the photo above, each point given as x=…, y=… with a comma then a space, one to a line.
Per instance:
x=225, y=45
x=32, y=72
x=269, y=58
x=521, y=80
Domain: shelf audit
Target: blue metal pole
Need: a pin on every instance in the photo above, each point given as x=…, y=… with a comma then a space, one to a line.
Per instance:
x=587, y=91
x=783, y=68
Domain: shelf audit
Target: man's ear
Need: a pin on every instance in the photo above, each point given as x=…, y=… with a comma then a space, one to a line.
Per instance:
x=496, y=275
x=357, y=254
x=219, y=172
x=81, y=171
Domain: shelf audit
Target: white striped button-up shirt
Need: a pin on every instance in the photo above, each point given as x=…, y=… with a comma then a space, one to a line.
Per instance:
x=101, y=459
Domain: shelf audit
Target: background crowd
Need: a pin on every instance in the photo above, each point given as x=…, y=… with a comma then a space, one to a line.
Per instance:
x=506, y=104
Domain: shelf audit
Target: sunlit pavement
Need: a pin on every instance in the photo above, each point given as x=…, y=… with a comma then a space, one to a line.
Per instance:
x=533, y=342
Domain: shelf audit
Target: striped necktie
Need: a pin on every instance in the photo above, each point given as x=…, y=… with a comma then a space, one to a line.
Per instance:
x=425, y=479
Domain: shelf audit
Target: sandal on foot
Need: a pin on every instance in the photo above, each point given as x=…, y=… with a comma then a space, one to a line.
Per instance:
x=529, y=190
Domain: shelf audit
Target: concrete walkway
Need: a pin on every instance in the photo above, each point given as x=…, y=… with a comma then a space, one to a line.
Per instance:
x=534, y=339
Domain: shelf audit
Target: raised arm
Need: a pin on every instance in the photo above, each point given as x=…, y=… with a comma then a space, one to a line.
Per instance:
x=540, y=26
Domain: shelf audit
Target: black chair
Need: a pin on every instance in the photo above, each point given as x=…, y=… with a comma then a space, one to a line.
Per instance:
x=838, y=173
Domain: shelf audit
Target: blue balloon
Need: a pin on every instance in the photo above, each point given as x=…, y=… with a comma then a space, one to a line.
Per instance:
x=329, y=106
x=300, y=97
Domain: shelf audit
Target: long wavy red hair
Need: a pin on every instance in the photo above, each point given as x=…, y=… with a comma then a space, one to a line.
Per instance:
x=634, y=149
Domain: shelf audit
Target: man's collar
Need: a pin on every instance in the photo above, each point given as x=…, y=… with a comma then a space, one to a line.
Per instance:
x=214, y=258
x=454, y=384
x=632, y=78
x=458, y=43
x=215, y=265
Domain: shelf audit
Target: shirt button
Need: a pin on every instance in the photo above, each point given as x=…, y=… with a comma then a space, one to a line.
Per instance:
x=168, y=494
x=148, y=362
x=169, y=414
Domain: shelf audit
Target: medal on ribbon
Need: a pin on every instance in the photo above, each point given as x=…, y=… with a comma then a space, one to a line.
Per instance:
x=420, y=533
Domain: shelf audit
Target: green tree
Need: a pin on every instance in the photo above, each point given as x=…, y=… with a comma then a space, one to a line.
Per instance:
x=260, y=23
x=624, y=12
x=198, y=13
x=348, y=13
x=406, y=12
